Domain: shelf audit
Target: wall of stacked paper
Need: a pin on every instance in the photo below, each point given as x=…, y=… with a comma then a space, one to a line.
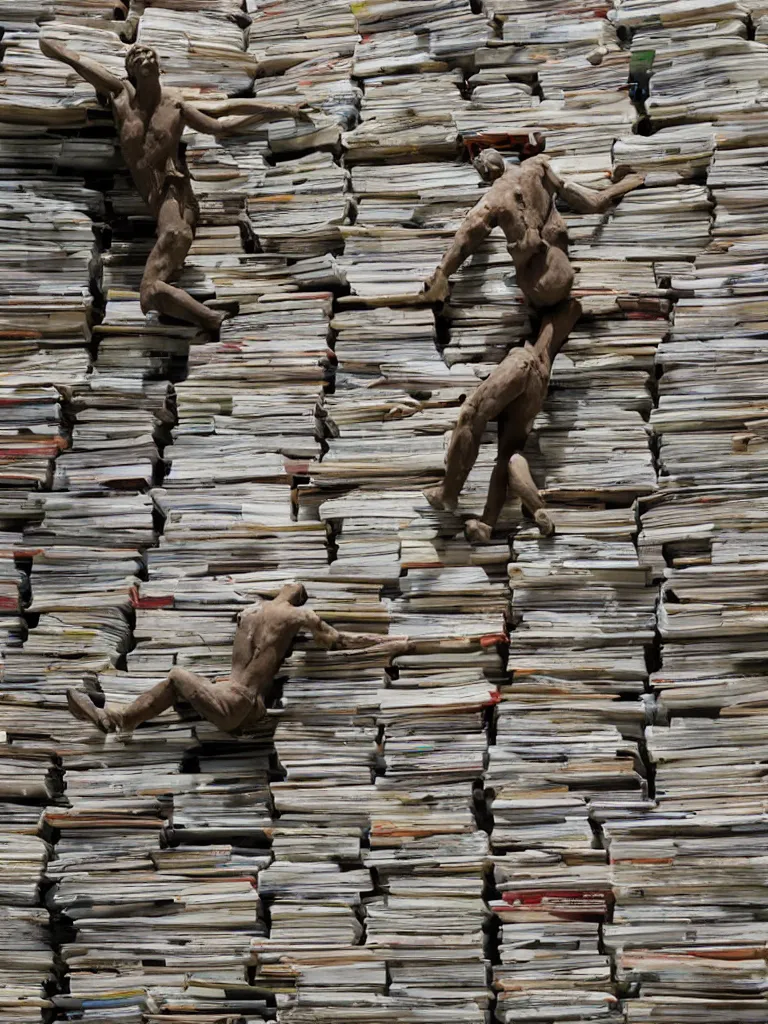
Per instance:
x=553, y=811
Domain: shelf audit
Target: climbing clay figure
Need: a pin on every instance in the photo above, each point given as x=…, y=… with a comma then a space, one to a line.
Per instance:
x=521, y=201
x=265, y=631
x=150, y=120
x=513, y=395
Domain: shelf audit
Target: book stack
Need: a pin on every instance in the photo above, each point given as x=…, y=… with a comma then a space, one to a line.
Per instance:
x=46, y=243
x=26, y=957
x=158, y=930
x=304, y=53
x=297, y=207
x=562, y=73
x=552, y=966
x=40, y=92
x=671, y=42
x=486, y=314
x=405, y=115
x=590, y=441
x=680, y=933
x=432, y=861
x=202, y=51
x=669, y=156
x=286, y=35
x=317, y=887
x=547, y=810
x=559, y=69
x=714, y=445
x=433, y=195
x=426, y=35
x=272, y=356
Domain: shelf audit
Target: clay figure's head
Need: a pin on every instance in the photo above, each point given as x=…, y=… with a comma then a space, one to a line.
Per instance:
x=141, y=63
x=293, y=593
x=489, y=165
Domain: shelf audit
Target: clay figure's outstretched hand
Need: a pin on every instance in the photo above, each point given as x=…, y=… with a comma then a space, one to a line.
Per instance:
x=229, y=116
x=626, y=175
x=436, y=287
x=376, y=644
x=588, y=200
x=94, y=73
x=357, y=641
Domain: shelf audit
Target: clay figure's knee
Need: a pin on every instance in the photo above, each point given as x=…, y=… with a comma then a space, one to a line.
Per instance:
x=148, y=296
x=186, y=685
x=472, y=419
x=176, y=240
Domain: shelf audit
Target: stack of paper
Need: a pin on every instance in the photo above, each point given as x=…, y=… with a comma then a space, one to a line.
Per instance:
x=201, y=51
x=304, y=53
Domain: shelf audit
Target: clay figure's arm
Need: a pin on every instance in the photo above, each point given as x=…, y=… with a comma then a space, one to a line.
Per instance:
x=99, y=77
x=333, y=639
x=587, y=200
x=326, y=636
x=246, y=112
x=475, y=227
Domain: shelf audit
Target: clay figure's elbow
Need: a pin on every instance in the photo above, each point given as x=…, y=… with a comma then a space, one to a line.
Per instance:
x=478, y=227
x=467, y=240
x=584, y=200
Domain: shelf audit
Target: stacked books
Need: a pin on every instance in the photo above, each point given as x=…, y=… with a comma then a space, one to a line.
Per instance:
x=304, y=54
x=199, y=50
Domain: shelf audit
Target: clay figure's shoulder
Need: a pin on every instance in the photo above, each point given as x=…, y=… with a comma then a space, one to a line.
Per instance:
x=535, y=165
x=122, y=99
x=522, y=357
x=534, y=170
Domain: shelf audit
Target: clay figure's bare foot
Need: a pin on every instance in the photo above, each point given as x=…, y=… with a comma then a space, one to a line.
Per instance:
x=477, y=532
x=83, y=708
x=544, y=522
x=436, y=499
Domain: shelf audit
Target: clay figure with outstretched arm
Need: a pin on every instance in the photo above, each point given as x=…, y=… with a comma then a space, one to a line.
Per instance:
x=150, y=120
x=265, y=632
x=521, y=201
x=513, y=395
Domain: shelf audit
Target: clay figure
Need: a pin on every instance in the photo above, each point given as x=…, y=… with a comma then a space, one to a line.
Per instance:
x=150, y=119
x=513, y=395
x=521, y=201
x=264, y=635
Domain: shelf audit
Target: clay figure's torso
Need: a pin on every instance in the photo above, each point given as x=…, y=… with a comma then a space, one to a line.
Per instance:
x=523, y=201
x=151, y=142
x=262, y=640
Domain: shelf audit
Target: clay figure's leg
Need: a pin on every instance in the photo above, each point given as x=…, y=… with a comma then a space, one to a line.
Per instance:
x=511, y=437
x=521, y=483
x=556, y=326
x=478, y=531
x=222, y=706
x=482, y=406
x=175, y=234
